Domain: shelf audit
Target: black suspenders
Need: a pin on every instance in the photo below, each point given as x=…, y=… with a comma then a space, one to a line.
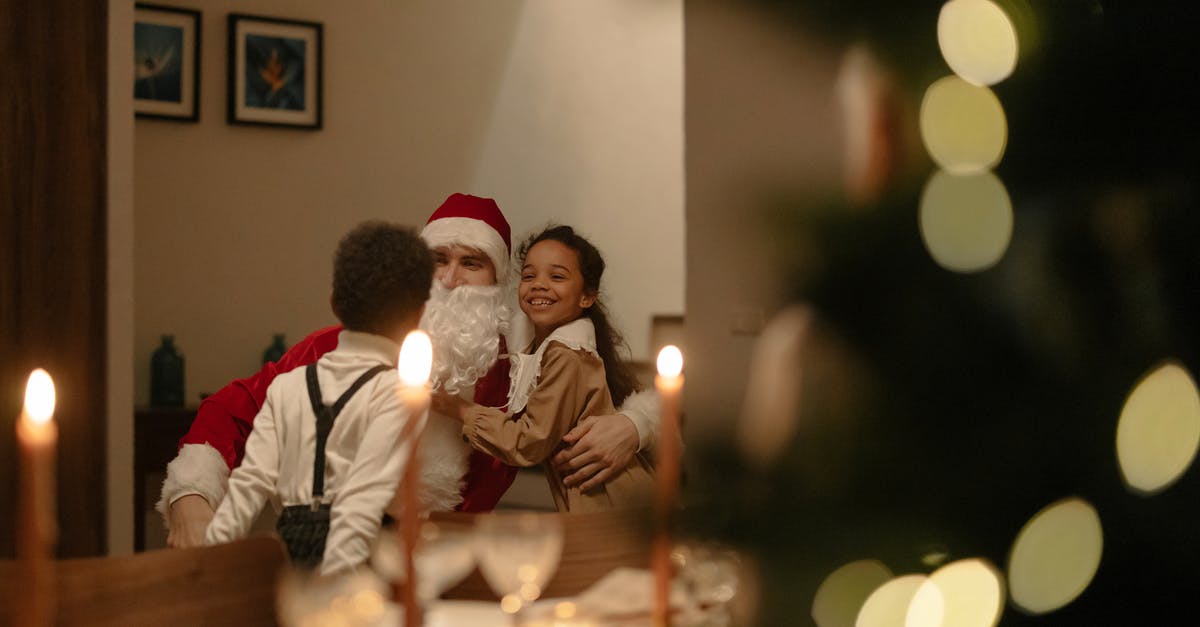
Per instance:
x=326, y=414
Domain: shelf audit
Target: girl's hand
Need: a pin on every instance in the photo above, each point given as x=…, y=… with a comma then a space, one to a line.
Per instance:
x=449, y=405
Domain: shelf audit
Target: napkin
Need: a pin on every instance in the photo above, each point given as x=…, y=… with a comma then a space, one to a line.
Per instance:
x=627, y=591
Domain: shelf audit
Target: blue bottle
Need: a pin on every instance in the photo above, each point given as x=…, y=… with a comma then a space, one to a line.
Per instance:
x=166, y=375
x=276, y=350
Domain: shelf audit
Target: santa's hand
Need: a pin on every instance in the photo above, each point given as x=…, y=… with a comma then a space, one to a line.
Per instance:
x=598, y=448
x=450, y=405
x=189, y=517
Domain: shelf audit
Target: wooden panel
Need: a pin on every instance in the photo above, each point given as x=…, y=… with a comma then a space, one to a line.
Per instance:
x=53, y=66
x=229, y=584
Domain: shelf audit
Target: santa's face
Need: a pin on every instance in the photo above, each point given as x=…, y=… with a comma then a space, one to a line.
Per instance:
x=456, y=265
x=465, y=316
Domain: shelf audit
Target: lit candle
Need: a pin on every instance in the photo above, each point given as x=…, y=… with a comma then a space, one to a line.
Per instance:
x=416, y=362
x=669, y=383
x=37, y=529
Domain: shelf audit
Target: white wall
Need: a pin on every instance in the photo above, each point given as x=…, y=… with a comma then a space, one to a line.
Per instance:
x=563, y=110
x=587, y=130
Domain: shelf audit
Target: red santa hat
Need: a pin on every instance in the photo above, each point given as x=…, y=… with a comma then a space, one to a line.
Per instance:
x=473, y=222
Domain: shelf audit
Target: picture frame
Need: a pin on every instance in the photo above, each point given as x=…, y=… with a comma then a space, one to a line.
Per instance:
x=166, y=58
x=275, y=72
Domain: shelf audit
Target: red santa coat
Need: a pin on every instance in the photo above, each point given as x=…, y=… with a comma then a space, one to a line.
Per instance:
x=224, y=419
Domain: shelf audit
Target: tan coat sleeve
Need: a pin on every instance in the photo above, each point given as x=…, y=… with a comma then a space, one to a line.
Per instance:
x=571, y=384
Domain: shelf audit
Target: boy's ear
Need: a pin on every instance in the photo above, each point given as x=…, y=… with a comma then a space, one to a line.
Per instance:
x=587, y=300
x=333, y=307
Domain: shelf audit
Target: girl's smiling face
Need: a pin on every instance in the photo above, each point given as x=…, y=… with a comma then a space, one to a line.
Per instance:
x=552, y=290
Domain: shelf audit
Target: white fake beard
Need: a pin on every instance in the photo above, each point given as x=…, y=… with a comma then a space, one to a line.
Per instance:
x=465, y=325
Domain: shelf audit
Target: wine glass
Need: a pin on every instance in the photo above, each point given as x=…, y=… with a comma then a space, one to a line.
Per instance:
x=711, y=574
x=358, y=599
x=444, y=556
x=518, y=554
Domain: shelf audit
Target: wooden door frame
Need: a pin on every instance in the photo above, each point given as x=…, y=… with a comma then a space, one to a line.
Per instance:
x=53, y=249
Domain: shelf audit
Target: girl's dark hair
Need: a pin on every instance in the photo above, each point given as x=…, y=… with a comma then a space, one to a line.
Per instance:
x=621, y=380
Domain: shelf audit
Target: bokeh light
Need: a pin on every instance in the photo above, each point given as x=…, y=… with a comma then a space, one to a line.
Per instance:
x=771, y=408
x=511, y=604
x=1055, y=556
x=1159, y=429
x=966, y=593
x=368, y=605
x=963, y=126
x=565, y=610
x=978, y=41
x=840, y=597
x=966, y=221
x=888, y=605
x=530, y=591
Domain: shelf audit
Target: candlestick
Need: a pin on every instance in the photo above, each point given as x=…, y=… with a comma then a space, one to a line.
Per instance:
x=416, y=362
x=37, y=529
x=669, y=384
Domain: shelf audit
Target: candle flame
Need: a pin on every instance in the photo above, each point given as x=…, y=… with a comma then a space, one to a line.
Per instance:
x=39, y=396
x=670, y=361
x=416, y=359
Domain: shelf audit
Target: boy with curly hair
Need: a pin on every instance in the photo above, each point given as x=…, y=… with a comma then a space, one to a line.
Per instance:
x=324, y=445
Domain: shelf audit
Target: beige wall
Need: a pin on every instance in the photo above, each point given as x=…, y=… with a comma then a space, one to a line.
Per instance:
x=587, y=130
x=760, y=121
x=236, y=225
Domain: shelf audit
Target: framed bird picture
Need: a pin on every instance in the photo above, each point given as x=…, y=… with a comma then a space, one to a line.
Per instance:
x=166, y=62
x=274, y=72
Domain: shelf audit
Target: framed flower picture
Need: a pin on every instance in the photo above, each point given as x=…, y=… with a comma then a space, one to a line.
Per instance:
x=274, y=71
x=166, y=62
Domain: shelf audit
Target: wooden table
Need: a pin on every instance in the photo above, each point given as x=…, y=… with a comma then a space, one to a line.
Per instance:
x=156, y=433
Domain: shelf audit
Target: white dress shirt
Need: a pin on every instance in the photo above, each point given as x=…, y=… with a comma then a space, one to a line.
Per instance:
x=363, y=463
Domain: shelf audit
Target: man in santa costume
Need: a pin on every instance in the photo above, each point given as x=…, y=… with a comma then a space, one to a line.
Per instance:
x=468, y=317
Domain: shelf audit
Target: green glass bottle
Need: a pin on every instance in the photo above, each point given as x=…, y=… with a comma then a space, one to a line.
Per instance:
x=276, y=350
x=166, y=375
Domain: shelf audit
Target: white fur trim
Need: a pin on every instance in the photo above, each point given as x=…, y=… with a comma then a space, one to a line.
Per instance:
x=642, y=409
x=198, y=469
x=471, y=233
x=444, y=463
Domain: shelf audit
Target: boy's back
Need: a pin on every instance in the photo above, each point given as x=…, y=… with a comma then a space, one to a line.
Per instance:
x=362, y=463
x=324, y=444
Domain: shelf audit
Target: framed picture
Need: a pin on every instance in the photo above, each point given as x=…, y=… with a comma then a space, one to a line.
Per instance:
x=274, y=71
x=166, y=62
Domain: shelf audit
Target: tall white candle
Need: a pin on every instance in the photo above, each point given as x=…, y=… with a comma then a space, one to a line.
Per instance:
x=416, y=362
x=37, y=528
x=669, y=384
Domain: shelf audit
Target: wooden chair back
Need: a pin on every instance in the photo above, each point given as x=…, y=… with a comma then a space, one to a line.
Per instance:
x=231, y=584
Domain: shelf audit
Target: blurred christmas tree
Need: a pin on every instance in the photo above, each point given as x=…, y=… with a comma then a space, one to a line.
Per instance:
x=939, y=410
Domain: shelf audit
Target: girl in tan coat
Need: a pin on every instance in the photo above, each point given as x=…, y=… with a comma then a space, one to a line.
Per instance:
x=569, y=371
